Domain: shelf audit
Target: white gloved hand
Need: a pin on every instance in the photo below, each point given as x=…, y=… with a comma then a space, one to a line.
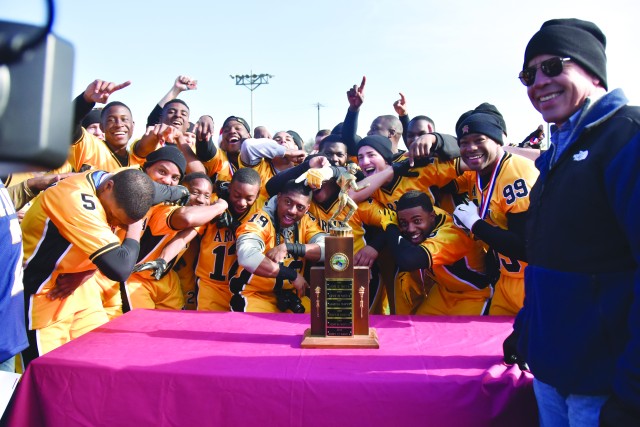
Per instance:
x=465, y=215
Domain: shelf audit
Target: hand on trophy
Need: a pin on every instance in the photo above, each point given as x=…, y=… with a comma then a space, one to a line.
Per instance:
x=301, y=285
x=365, y=257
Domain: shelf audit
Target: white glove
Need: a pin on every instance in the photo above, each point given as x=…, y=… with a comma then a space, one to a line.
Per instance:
x=465, y=215
x=314, y=178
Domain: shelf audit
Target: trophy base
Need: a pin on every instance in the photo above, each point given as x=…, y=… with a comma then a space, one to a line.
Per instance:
x=354, y=341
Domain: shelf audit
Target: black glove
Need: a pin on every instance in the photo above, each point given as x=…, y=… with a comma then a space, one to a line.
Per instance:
x=402, y=167
x=157, y=267
x=183, y=195
x=511, y=356
x=227, y=220
x=177, y=194
x=615, y=413
x=222, y=190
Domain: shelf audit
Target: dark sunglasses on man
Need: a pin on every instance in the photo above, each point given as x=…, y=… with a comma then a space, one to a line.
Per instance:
x=551, y=67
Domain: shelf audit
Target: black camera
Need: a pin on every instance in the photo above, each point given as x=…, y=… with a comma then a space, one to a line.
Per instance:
x=288, y=300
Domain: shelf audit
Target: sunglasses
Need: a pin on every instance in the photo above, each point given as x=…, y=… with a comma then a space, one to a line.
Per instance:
x=551, y=67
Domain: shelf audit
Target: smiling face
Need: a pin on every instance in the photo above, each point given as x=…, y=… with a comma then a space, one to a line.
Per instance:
x=117, y=125
x=558, y=98
x=291, y=208
x=242, y=196
x=370, y=161
x=164, y=172
x=176, y=115
x=416, y=224
x=479, y=152
x=199, y=192
x=233, y=133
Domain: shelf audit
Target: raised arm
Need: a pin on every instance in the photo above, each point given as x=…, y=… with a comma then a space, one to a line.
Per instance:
x=181, y=84
x=98, y=91
x=401, y=110
x=355, y=95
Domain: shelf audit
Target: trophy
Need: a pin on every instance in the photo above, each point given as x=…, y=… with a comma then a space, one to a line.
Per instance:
x=339, y=290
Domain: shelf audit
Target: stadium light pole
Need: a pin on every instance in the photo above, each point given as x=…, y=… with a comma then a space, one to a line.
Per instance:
x=251, y=82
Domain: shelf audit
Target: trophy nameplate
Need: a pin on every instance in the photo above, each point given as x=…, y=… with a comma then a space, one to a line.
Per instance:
x=339, y=298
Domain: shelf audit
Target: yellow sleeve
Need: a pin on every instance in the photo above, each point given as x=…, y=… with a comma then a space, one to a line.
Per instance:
x=261, y=225
x=309, y=227
x=159, y=219
x=217, y=163
x=447, y=244
x=135, y=160
x=370, y=212
x=439, y=173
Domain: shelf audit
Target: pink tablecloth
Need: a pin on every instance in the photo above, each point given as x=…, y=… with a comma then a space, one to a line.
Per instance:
x=161, y=368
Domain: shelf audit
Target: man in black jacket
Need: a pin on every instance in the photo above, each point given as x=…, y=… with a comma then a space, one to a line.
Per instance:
x=579, y=328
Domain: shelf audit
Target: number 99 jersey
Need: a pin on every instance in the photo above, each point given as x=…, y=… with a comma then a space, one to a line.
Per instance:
x=513, y=183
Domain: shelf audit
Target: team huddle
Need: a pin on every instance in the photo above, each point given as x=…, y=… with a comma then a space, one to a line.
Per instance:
x=175, y=220
x=455, y=225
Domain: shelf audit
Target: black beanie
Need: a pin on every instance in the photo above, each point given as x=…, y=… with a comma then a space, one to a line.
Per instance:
x=296, y=138
x=380, y=143
x=484, y=119
x=582, y=41
x=92, y=117
x=240, y=120
x=169, y=153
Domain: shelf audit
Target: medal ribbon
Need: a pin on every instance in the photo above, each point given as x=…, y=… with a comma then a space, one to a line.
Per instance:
x=484, y=201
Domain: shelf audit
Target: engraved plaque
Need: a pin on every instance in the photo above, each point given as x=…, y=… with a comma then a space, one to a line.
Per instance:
x=339, y=298
x=339, y=320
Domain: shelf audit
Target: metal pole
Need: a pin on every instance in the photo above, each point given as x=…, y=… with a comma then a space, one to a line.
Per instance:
x=251, y=82
x=251, y=89
x=318, y=105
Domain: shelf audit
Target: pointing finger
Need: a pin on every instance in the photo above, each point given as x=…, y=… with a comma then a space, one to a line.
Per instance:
x=364, y=81
x=122, y=85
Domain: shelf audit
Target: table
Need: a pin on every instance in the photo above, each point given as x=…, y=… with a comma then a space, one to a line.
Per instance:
x=171, y=368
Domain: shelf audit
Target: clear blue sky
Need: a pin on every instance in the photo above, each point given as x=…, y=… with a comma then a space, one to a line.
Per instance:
x=446, y=56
